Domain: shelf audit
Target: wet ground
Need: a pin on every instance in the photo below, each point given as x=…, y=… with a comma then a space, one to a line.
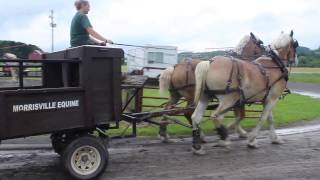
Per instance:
x=148, y=158
x=305, y=89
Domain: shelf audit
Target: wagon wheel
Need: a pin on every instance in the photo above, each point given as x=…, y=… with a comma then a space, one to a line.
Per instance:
x=85, y=157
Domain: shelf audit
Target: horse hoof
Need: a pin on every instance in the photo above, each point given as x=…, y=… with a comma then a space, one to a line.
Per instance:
x=164, y=139
x=204, y=141
x=198, y=152
x=223, y=143
x=252, y=146
x=277, y=142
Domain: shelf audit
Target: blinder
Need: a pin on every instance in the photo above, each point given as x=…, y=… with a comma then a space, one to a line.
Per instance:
x=295, y=44
x=256, y=40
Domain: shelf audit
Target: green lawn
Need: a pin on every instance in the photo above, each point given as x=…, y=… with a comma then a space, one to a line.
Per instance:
x=305, y=75
x=305, y=70
x=291, y=109
x=313, y=78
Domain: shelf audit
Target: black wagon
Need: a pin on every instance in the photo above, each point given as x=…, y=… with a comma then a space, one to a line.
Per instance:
x=77, y=98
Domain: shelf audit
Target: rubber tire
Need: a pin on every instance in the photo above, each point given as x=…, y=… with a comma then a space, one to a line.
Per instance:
x=85, y=141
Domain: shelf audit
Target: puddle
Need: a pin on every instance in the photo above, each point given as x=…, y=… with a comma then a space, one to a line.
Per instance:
x=298, y=130
x=306, y=93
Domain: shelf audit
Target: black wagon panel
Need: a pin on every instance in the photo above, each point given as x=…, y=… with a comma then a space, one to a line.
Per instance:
x=81, y=90
x=31, y=114
x=99, y=73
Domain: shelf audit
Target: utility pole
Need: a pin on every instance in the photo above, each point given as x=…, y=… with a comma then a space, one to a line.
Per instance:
x=52, y=25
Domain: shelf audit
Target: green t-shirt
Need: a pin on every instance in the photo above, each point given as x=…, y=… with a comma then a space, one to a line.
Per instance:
x=78, y=32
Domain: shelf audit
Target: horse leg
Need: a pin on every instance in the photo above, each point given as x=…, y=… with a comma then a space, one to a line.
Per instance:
x=197, y=117
x=252, y=141
x=163, y=135
x=222, y=131
x=14, y=75
x=273, y=136
x=188, y=116
x=226, y=102
x=239, y=116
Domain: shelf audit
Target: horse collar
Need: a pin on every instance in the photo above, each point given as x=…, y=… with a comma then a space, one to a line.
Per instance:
x=280, y=63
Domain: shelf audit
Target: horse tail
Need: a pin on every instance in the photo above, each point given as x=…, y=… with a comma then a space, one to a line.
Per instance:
x=201, y=76
x=165, y=79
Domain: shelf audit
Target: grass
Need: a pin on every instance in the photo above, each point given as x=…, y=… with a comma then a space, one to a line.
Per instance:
x=305, y=70
x=313, y=78
x=292, y=109
x=305, y=75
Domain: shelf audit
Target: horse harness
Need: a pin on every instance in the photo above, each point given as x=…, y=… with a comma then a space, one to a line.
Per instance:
x=175, y=90
x=263, y=70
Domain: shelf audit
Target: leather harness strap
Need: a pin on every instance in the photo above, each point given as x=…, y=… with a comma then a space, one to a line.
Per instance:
x=175, y=90
x=266, y=77
x=228, y=88
x=243, y=99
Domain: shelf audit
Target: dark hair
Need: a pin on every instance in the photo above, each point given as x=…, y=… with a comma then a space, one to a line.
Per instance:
x=79, y=3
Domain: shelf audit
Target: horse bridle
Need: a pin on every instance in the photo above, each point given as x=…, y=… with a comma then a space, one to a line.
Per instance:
x=294, y=46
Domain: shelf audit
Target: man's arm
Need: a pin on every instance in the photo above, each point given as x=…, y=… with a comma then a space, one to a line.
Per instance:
x=96, y=40
x=97, y=36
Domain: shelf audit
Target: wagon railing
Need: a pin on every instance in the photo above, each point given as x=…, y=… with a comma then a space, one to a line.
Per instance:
x=22, y=64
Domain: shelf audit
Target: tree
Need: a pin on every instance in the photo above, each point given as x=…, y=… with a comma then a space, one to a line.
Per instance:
x=21, y=50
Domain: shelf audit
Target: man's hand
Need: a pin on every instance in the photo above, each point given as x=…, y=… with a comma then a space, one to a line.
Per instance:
x=97, y=36
x=109, y=41
x=102, y=43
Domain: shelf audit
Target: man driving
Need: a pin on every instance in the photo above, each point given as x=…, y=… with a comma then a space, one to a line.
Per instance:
x=82, y=32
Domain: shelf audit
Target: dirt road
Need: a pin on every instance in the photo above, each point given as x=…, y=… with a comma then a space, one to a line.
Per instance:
x=148, y=159
x=305, y=89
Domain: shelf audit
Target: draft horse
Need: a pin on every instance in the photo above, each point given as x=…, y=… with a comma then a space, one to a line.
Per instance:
x=180, y=80
x=235, y=82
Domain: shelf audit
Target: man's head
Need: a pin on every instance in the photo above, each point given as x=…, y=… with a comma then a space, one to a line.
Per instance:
x=83, y=6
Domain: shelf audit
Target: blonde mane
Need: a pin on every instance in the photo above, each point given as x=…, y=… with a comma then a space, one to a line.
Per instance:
x=242, y=44
x=282, y=41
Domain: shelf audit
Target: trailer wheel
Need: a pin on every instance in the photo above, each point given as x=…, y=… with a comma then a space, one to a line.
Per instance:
x=85, y=157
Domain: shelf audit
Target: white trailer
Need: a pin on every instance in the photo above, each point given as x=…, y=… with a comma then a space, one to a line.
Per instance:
x=152, y=57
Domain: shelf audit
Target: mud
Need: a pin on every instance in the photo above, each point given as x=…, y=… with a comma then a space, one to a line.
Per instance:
x=147, y=158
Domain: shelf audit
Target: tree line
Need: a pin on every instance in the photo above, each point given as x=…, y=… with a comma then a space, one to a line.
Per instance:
x=306, y=56
x=20, y=49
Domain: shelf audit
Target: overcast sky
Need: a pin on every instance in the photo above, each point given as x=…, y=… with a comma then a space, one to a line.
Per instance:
x=188, y=24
